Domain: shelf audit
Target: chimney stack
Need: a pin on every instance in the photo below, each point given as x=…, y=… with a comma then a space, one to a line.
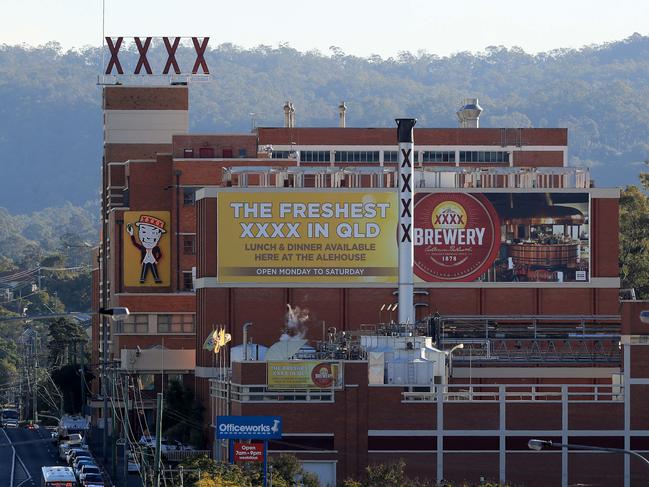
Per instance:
x=469, y=114
x=342, y=108
x=287, y=114
x=292, y=120
x=405, y=160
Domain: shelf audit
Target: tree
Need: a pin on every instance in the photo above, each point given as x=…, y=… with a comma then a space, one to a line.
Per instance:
x=66, y=340
x=287, y=468
x=634, y=238
x=182, y=415
x=205, y=472
x=69, y=383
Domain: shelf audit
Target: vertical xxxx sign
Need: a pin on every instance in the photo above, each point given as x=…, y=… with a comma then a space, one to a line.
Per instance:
x=405, y=195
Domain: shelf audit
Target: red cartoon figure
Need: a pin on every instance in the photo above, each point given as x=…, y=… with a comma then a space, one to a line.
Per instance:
x=150, y=230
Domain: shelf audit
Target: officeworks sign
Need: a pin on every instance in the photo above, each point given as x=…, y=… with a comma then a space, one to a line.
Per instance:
x=249, y=427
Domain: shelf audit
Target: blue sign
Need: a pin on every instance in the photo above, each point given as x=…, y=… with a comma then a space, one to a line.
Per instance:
x=249, y=427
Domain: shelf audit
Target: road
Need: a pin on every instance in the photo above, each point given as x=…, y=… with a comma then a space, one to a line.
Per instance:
x=33, y=450
x=30, y=457
x=6, y=460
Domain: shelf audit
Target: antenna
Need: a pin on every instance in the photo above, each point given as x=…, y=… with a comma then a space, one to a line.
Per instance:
x=103, y=33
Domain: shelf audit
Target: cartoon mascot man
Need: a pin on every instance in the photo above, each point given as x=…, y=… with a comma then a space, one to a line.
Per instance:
x=150, y=230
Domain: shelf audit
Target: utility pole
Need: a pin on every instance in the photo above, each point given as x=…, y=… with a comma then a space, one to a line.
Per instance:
x=158, y=442
x=104, y=382
x=113, y=433
x=82, y=378
x=126, y=429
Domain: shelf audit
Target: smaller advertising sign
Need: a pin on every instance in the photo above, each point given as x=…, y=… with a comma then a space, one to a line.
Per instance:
x=305, y=374
x=147, y=249
x=248, y=452
x=249, y=427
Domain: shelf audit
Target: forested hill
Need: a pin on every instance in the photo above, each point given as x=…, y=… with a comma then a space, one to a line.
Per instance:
x=50, y=123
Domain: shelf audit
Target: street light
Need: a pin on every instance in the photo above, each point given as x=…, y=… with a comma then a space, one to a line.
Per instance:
x=116, y=314
x=538, y=445
x=449, y=354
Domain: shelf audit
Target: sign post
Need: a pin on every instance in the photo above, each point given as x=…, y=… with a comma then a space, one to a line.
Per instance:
x=249, y=428
x=265, y=463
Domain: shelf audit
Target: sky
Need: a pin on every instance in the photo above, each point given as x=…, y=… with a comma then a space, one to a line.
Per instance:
x=358, y=27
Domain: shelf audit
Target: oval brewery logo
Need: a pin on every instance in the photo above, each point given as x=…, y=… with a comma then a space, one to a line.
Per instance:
x=456, y=236
x=322, y=375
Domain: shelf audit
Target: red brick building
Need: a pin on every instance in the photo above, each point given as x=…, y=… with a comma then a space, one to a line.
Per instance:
x=548, y=351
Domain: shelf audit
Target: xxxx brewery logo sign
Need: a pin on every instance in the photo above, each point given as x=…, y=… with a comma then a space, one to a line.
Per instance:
x=456, y=236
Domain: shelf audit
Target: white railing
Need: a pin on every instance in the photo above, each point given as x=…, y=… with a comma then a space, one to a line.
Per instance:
x=261, y=393
x=517, y=392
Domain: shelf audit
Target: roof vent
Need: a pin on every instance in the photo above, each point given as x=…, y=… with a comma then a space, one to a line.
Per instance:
x=469, y=114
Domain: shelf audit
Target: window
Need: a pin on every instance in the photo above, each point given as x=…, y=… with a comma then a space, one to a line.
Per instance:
x=390, y=156
x=206, y=152
x=484, y=156
x=174, y=378
x=189, y=244
x=180, y=323
x=188, y=281
x=439, y=156
x=134, y=323
x=189, y=196
x=227, y=153
x=315, y=156
x=357, y=156
x=280, y=154
x=146, y=382
x=243, y=153
x=188, y=153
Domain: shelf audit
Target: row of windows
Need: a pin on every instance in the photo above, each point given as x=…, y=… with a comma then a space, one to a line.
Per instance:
x=210, y=153
x=357, y=156
x=315, y=156
x=280, y=154
x=438, y=156
x=392, y=156
x=139, y=323
x=484, y=156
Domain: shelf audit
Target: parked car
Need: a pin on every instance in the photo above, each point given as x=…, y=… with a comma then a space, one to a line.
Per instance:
x=70, y=453
x=80, y=461
x=77, y=454
x=93, y=480
x=165, y=444
x=87, y=469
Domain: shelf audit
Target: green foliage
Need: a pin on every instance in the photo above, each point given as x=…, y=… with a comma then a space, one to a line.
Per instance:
x=634, y=241
x=67, y=339
x=182, y=415
x=287, y=468
x=394, y=475
x=286, y=471
x=68, y=382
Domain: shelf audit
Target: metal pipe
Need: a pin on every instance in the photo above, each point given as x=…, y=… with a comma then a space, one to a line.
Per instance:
x=405, y=138
x=245, y=340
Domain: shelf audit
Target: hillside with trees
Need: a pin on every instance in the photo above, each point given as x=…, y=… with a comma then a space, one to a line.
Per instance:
x=50, y=128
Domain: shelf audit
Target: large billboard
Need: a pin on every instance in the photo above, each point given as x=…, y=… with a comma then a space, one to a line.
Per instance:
x=147, y=249
x=344, y=237
x=502, y=237
x=307, y=237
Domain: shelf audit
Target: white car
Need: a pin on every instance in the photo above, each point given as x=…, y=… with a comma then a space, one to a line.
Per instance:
x=87, y=469
x=165, y=445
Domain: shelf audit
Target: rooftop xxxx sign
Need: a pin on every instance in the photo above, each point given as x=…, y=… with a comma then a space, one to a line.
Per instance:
x=171, y=44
